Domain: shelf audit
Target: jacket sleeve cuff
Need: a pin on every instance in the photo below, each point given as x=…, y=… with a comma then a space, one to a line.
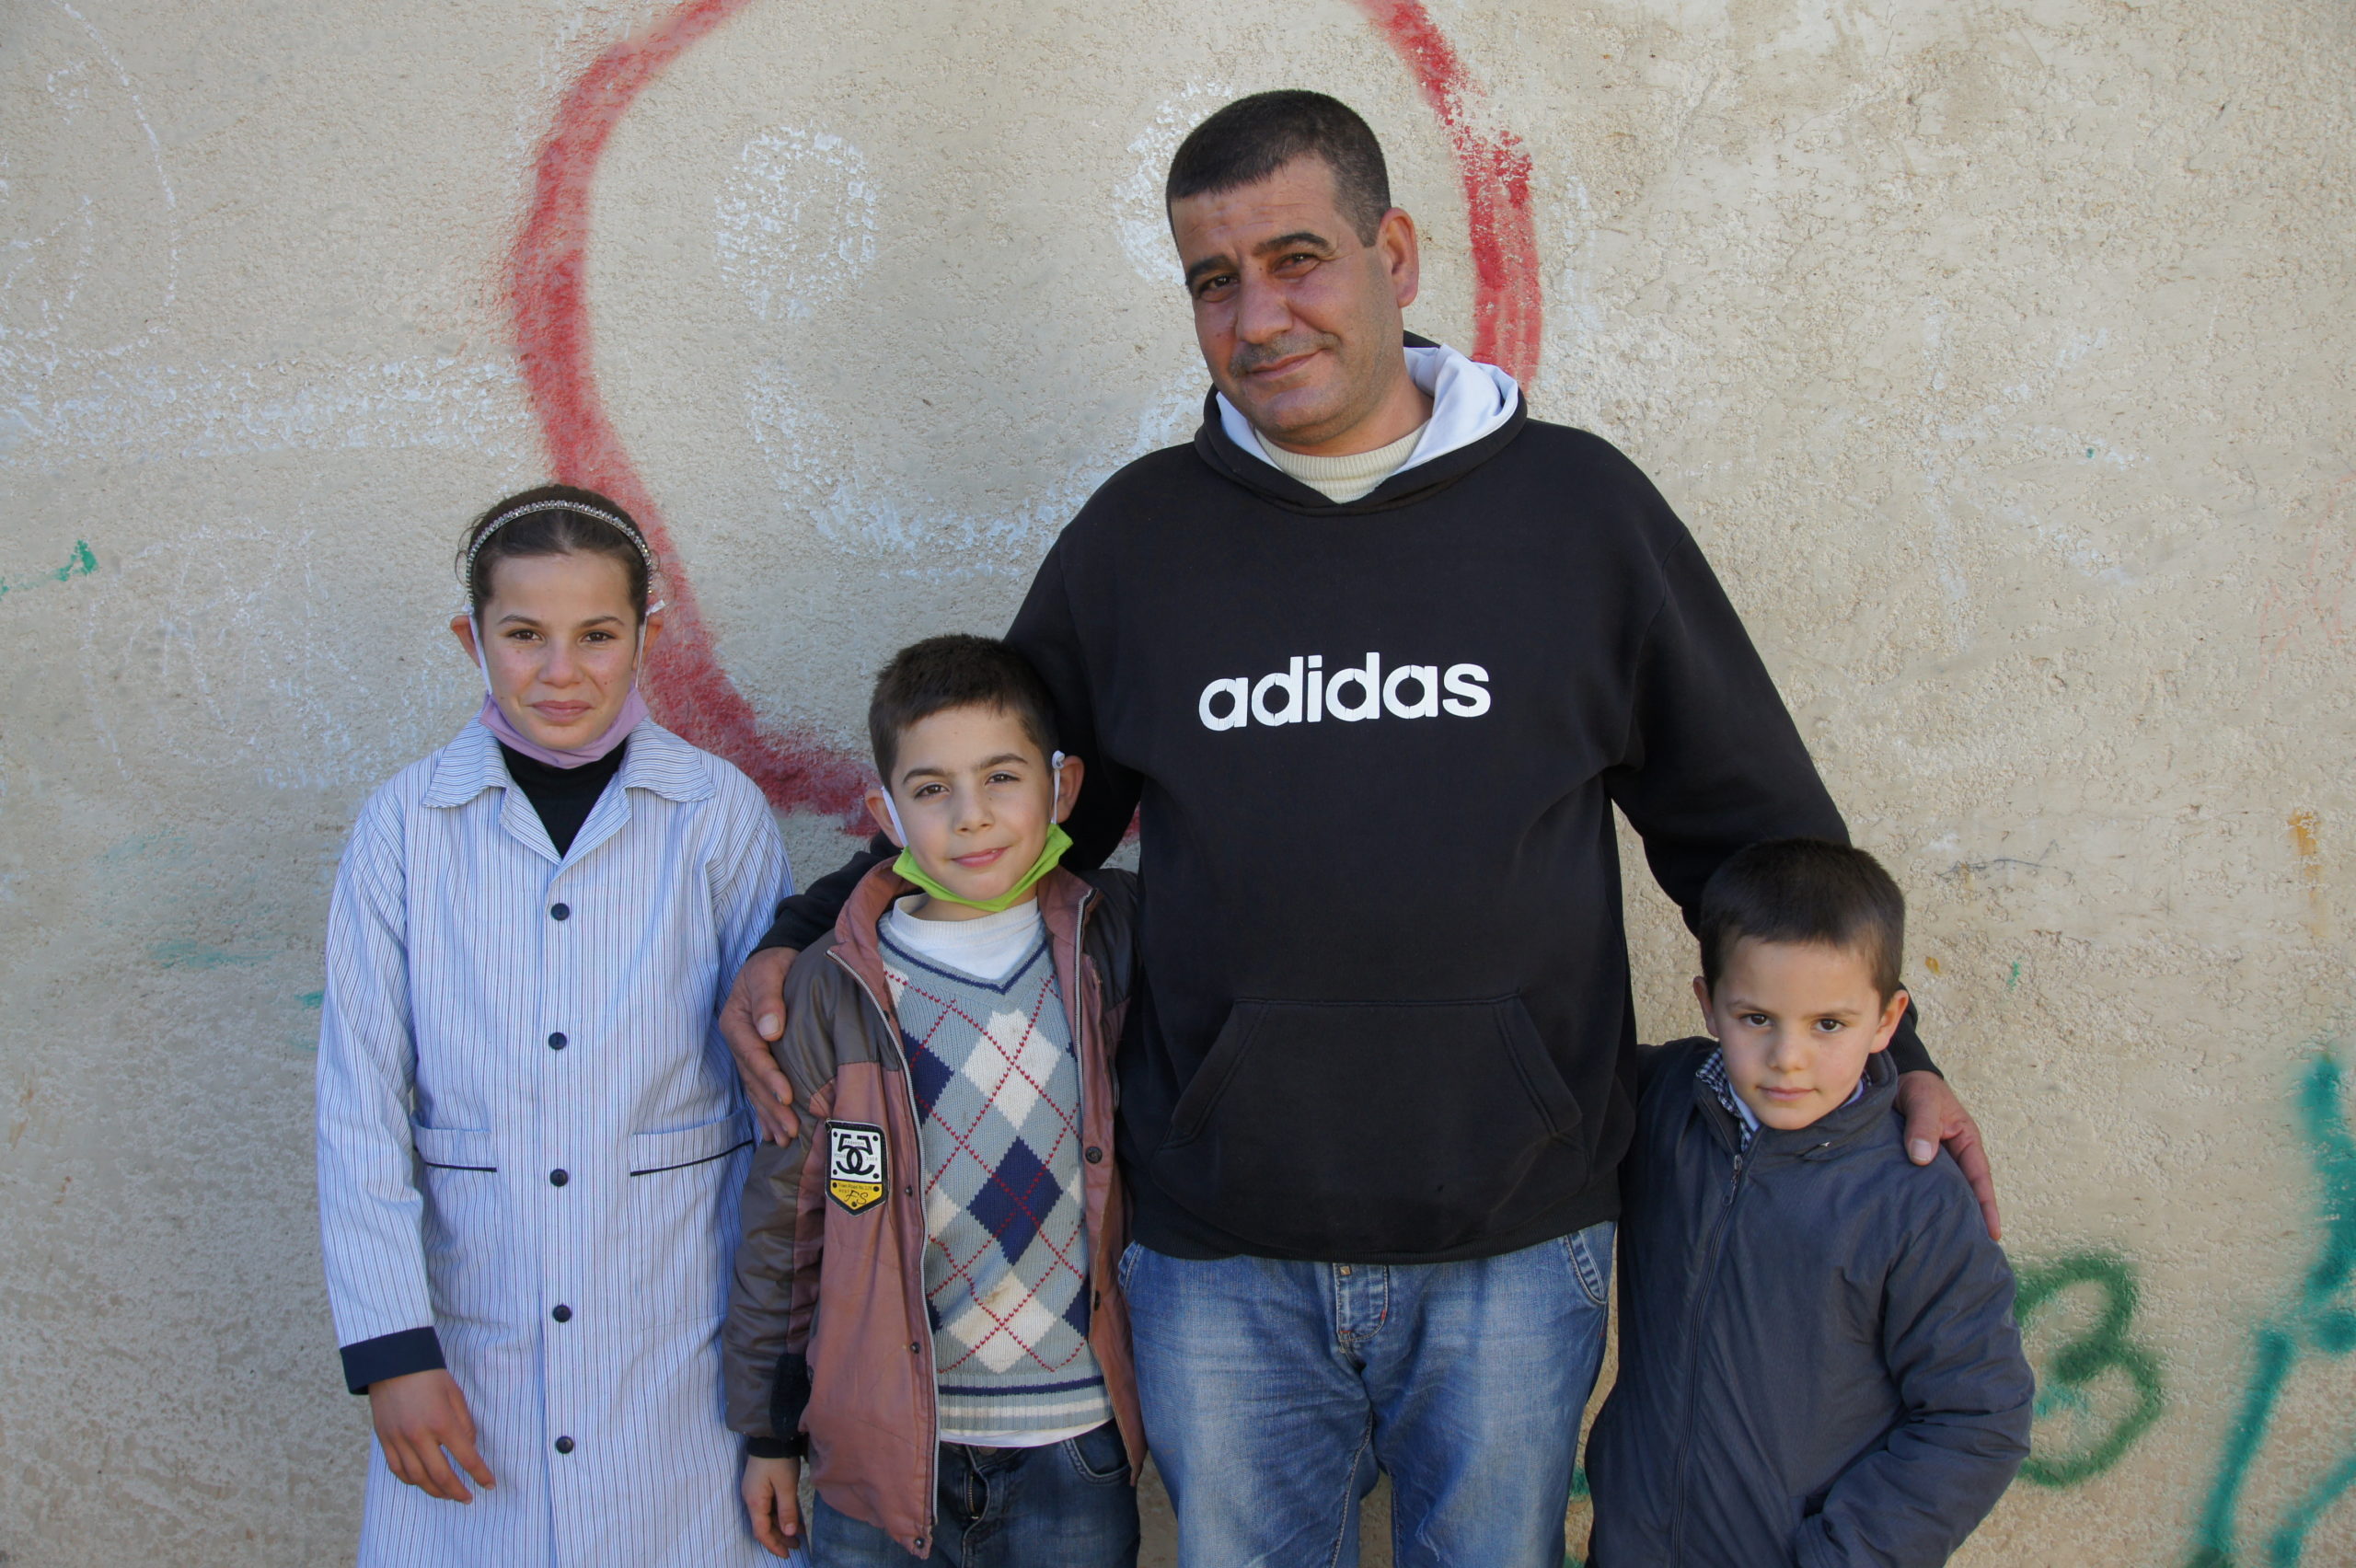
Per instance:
x=1812, y=1549
x=789, y=1397
x=392, y=1356
x=791, y=1447
x=1906, y=1052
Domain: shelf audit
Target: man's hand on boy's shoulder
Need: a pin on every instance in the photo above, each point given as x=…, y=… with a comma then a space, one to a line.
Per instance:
x=1935, y=1117
x=751, y=1021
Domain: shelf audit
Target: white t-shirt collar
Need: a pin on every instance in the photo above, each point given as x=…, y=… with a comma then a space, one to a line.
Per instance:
x=1469, y=400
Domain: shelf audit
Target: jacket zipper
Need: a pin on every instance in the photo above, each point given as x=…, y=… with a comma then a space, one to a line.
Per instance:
x=1707, y=1288
x=1074, y=1009
x=916, y=1124
x=924, y=1336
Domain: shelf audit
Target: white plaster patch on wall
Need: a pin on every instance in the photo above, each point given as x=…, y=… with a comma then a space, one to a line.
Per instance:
x=1138, y=210
x=223, y=649
x=1702, y=19
x=1173, y=413
x=1819, y=27
x=825, y=474
x=154, y=147
x=1978, y=453
x=1619, y=372
x=796, y=221
x=570, y=35
x=116, y=220
x=109, y=413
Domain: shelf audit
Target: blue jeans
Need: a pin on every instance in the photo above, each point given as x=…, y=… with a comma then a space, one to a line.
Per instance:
x=1070, y=1504
x=1273, y=1391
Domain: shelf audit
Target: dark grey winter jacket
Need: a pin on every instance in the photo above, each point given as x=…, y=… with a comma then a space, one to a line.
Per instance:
x=1818, y=1359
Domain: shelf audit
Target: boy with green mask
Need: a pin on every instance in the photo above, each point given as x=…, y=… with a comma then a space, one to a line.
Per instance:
x=953, y=1048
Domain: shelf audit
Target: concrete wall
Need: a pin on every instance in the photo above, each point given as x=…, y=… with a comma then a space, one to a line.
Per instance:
x=1998, y=352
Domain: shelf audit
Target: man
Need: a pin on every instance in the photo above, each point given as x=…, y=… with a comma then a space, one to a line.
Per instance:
x=1378, y=654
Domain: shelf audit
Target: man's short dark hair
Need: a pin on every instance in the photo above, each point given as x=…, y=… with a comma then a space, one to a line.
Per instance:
x=956, y=671
x=1254, y=137
x=1805, y=890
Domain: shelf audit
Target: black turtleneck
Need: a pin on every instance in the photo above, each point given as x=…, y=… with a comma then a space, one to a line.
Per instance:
x=563, y=796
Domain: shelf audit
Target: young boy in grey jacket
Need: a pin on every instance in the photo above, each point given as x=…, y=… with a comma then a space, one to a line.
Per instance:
x=1818, y=1364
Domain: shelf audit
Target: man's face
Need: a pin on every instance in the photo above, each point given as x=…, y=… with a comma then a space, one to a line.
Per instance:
x=1298, y=319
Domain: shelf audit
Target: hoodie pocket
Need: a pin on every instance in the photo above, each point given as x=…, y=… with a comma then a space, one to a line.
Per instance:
x=1370, y=1130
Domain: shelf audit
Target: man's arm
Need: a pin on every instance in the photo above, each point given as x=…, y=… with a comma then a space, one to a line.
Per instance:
x=804, y=916
x=1711, y=764
x=1949, y=1342
x=1046, y=632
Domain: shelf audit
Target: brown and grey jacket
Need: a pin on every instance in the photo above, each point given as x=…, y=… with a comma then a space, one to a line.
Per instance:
x=828, y=1340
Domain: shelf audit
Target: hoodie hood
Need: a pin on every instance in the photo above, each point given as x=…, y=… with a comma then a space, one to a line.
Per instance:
x=1477, y=408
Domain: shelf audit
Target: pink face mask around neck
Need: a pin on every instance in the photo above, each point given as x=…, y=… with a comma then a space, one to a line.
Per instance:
x=494, y=719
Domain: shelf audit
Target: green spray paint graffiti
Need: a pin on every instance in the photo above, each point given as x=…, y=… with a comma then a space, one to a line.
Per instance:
x=2099, y=1390
x=2321, y=1321
x=186, y=954
x=81, y=563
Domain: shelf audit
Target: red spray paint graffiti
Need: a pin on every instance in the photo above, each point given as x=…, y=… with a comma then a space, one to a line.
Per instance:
x=548, y=290
x=1507, y=317
x=548, y=284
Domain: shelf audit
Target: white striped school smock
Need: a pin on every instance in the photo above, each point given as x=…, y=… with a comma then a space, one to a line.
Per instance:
x=459, y=948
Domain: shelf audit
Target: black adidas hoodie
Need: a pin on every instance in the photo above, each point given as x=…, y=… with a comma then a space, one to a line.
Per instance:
x=1386, y=1012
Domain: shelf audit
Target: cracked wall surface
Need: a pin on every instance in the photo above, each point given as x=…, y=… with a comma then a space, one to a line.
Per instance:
x=1996, y=351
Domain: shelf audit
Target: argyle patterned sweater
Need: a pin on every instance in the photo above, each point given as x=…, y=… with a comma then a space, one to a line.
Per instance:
x=996, y=1084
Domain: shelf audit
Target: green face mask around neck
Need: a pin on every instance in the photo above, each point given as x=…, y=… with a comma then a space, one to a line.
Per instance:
x=1049, y=854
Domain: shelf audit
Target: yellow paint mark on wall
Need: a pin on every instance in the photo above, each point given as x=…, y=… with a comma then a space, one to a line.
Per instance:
x=2303, y=834
x=1932, y=964
x=2305, y=838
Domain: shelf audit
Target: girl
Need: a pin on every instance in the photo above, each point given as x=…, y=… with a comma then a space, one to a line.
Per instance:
x=531, y=1137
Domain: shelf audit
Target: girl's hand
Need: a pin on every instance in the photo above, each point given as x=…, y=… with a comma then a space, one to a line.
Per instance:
x=417, y=1416
x=773, y=1499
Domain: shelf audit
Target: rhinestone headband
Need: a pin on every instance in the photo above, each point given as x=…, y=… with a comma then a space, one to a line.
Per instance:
x=528, y=508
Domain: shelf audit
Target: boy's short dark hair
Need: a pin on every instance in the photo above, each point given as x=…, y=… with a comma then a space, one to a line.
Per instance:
x=1254, y=137
x=958, y=669
x=1805, y=890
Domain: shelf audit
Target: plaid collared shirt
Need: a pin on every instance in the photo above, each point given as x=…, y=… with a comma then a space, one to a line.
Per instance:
x=1712, y=1073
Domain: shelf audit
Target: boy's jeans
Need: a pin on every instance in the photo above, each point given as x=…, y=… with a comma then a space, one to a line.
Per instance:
x=1273, y=1392
x=1070, y=1504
